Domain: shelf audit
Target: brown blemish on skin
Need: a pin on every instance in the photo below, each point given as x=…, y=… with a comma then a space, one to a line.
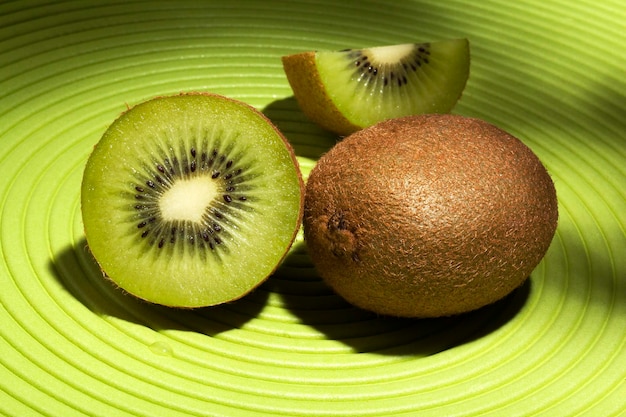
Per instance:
x=342, y=239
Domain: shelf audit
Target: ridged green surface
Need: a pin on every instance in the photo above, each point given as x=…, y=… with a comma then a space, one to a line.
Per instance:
x=551, y=72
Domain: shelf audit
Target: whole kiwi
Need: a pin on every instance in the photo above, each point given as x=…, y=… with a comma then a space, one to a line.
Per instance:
x=428, y=216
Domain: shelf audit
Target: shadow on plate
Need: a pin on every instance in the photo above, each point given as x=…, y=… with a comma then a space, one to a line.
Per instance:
x=302, y=293
x=307, y=138
x=76, y=269
x=306, y=296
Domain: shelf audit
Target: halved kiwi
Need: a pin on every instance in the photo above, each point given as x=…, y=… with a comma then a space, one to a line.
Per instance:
x=344, y=91
x=191, y=200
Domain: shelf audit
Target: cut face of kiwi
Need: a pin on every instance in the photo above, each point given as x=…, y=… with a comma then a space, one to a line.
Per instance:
x=348, y=90
x=191, y=200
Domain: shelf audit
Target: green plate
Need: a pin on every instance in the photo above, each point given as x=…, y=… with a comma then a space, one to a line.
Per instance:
x=551, y=72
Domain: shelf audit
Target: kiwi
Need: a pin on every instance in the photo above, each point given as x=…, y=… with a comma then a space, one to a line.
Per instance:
x=344, y=91
x=191, y=200
x=428, y=216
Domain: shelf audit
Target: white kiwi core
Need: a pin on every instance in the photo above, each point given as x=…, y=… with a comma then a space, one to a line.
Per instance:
x=188, y=199
x=390, y=54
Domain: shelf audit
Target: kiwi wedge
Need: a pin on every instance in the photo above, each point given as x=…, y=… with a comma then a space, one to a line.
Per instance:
x=191, y=200
x=428, y=215
x=344, y=91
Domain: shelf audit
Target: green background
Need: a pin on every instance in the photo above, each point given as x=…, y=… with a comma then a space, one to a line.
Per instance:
x=553, y=73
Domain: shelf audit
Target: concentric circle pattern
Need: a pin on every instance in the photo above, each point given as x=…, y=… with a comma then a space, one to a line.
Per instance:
x=552, y=72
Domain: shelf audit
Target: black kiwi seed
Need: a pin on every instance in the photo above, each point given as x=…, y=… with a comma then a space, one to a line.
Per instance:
x=161, y=174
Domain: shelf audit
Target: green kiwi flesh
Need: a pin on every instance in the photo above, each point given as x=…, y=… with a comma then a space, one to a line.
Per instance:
x=428, y=216
x=191, y=200
x=348, y=90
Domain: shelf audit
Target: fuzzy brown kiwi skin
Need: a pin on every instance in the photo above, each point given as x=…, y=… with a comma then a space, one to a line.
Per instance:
x=428, y=216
